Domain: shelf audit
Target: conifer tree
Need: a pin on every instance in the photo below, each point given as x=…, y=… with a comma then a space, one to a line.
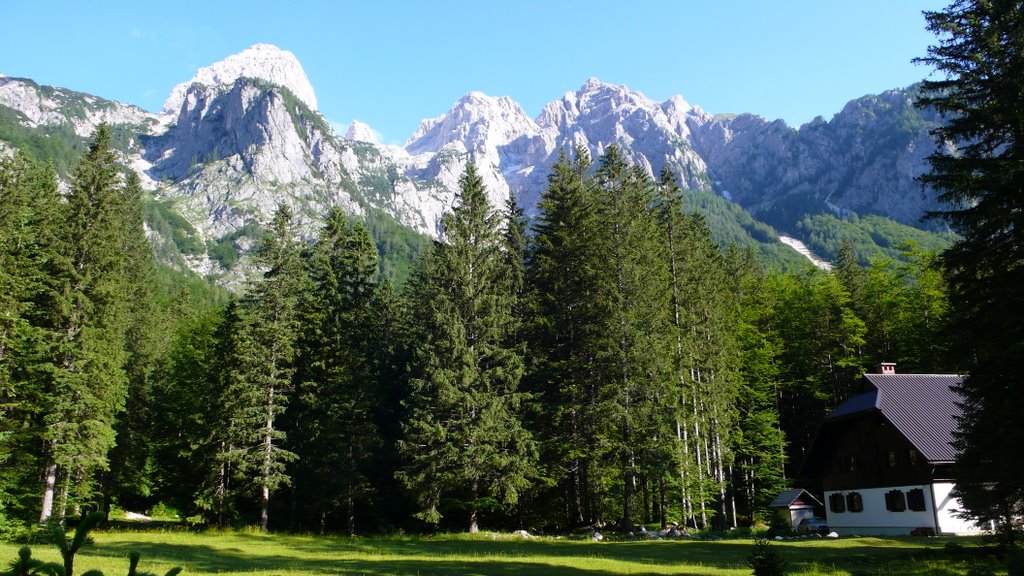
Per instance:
x=336, y=431
x=632, y=352
x=979, y=171
x=564, y=324
x=147, y=340
x=260, y=381
x=464, y=443
x=28, y=220
x=89, y=307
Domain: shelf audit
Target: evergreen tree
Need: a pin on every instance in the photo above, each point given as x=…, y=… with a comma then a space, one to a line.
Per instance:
x=565, y=316
x=89, y=307
x=29, y=204
x=336, y=431
x=464, y=443
x=631, y=355
x=260, y=380
x=147, y=339
x=980, y=175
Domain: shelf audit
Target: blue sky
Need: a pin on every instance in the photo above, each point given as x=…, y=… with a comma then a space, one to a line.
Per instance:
x=392, y=63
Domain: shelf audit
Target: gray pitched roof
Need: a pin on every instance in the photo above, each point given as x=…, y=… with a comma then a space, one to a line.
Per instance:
x=923, y=407
x=788, y=497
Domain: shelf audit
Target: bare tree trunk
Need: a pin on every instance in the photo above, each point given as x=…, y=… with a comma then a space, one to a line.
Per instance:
x=474, y=525
x=65, y=490
x=264, y=507
x=48, y=488
x=268, y=446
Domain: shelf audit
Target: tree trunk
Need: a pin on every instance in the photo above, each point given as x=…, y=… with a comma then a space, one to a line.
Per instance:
x=577, y=497
x=474, y=527
x=264, y=507
x=49, y=486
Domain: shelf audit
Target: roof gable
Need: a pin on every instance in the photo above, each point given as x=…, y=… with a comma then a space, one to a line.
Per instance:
x=789, y=497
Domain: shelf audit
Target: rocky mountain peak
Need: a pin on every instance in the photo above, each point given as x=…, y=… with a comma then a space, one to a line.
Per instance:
x=476, y=120
x=361, y=132
x=262, y=61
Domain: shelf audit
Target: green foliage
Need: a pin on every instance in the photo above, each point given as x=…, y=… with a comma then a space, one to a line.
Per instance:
x=870, y=236
x=56, y=143
x=259, y=379
x=224, y=249
x=163, y=219
x=398, y=246
x=979, y=170
x=765, y=560
x=338, y=395
x=730, y=225
x=463, y=440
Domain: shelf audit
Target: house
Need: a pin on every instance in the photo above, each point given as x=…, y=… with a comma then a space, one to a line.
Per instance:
x=795, y=505
x=884, y=458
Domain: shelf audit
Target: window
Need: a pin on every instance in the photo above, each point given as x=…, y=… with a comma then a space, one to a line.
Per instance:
x=892, y=458
x=836, y=503
x=854, y=503
x=915, y=500
x=894, y=501
x=912, y=457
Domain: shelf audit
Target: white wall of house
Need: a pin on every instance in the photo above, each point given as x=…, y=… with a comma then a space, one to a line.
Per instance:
x=875, y=519
x=938, y=515
x=946, y=511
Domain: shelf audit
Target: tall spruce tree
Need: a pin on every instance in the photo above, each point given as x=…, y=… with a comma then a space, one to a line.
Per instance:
x=29, y=208
x=463, y=442
x=130, y=477
x=89, y=308
x=632, y=354
x=563, y=329
x=260, y=380
x=979, y=170
x=336, y=431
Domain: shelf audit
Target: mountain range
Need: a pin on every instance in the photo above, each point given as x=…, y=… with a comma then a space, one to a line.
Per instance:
x=244, y=135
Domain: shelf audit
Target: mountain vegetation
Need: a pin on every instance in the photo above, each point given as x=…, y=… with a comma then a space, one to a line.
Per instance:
x=607, y=364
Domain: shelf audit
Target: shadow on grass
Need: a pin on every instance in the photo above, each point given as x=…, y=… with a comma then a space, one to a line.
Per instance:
x=428, y=557
x=240, y=553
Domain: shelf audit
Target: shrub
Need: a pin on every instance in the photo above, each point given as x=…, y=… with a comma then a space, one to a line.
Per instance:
x=765, y=560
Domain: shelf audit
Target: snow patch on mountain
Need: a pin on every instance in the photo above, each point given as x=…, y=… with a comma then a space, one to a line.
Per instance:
x=805, y=251
x=263, y=61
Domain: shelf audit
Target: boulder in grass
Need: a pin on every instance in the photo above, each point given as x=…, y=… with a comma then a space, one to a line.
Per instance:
x=522, y=534
x=832, y=535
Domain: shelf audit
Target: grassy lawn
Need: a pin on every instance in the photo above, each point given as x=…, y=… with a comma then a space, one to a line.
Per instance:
x=500, y=555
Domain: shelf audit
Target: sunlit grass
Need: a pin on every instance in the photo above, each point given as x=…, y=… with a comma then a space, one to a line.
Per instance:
x=250, y=552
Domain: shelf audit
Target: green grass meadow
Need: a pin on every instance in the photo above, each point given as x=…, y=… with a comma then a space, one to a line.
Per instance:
x=243, y=552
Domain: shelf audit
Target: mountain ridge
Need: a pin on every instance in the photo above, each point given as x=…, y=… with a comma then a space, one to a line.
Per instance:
x=245, y=140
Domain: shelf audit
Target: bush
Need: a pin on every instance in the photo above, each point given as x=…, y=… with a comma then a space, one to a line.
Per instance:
x=779, y=526
x=765, y=560
x=1015, y=561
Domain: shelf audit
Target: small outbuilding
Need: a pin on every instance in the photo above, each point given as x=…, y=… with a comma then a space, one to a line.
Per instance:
x=795, y=505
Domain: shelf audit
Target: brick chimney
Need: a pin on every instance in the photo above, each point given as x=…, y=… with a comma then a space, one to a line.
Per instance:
x=887, y=368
